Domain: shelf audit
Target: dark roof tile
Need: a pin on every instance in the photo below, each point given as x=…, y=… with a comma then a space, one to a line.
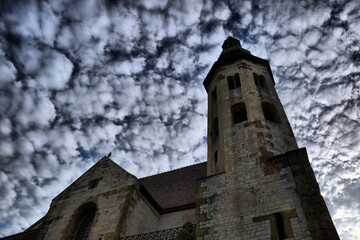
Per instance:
x=175, y=188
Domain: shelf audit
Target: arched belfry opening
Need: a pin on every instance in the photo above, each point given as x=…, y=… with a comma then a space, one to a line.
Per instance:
x=238, y=112
x=234, y=81
x=270, y=112
x=259, y=80
x=81, y=222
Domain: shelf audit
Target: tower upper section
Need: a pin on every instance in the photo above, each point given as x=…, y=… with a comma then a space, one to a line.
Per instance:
x=233, y=51
x=231, y=42
x=245, y=116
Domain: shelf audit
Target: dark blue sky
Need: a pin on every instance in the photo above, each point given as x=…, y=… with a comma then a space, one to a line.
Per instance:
x=80, y=79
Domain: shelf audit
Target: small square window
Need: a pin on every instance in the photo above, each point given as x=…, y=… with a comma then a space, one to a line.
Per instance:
x=93, y=183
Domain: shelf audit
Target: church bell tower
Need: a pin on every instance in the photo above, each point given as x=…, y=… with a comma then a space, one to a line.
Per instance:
x=259, y=184
x=245, y=115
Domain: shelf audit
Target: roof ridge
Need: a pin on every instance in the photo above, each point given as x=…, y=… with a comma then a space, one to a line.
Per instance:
x=173, y=170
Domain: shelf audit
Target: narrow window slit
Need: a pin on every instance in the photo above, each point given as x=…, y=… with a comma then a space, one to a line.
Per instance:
x=213, y=94
x=215, y=130
x=216, y=159
x=280, y=226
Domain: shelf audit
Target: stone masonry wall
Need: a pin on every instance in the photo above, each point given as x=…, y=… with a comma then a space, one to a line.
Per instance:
x=272, y=137
x=141, y=217
x=177, y=219
x=239, y=204
x=121, y=208
x=242, y=197
x=318, y=217
x=113, y=188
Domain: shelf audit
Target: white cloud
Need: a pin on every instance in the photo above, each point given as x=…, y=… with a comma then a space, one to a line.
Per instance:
x=286, y=57
x=130, y=67
x=28, y=24
x=186, y=12
x=56, y=72
x=244, y=11
x=49, y=23
x=35, y=109
x=193, y=39
x=126, y=23
x=8, y=194
x=5, y=127
x=7, y=70
x=6, y=148
x=150, y=5
x=312, y=37
x=222, y=12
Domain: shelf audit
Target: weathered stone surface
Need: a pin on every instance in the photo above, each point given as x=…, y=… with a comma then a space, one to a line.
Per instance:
x=108, y=196
x=121, y=207
x=267, y=189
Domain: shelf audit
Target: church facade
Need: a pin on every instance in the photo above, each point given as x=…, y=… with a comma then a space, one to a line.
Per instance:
x=256, y=183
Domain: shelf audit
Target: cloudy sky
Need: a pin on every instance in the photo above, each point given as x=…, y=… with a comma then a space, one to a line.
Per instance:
x=80, y=79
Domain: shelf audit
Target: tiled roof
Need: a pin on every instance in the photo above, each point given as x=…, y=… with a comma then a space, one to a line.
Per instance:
x=27, y=235
x=175, y=188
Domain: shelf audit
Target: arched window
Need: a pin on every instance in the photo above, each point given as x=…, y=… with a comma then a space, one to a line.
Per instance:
x=238, y=112
x=262, y=81
x=234, y=81
x=85, y=225
x=81, y=222
x=259, y=80
x=214, y=130
x=270, y=112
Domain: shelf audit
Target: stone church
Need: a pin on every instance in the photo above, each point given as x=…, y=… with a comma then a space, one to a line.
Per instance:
x=256, y=183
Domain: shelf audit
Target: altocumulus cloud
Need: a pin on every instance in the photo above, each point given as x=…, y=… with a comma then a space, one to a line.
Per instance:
x=79, y=79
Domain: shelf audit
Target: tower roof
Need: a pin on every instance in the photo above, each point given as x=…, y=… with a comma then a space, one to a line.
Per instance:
x=230, y=42
x=233, y=51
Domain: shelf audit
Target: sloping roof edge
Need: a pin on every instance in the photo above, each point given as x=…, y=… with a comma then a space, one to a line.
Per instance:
x=95, y=165
x=26, y=235
x=232, y=56
x=165, y=188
